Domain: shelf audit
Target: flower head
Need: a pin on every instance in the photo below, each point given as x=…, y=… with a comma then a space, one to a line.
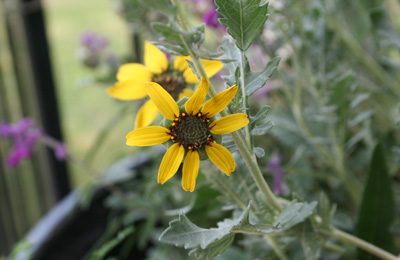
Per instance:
x=191, y=129
x=24, y=136
x=92, y=49
x=93, y=42
x=132, y=80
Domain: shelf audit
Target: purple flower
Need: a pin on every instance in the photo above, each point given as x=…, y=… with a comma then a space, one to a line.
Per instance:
x=93, y=49
x=275, y=167
x=17, y=154
x=60, y=151
x=18, y=128
x=93, y=42
x=211, y=18
x=24, y=136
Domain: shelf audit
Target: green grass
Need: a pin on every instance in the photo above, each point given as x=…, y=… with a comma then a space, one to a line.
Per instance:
x=85, y=109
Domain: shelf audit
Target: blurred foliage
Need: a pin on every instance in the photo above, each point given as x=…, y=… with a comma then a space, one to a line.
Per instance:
x=333, y=96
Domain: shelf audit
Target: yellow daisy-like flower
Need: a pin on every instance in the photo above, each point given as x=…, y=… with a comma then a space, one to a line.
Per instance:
x=191, y=131
x=133, y=77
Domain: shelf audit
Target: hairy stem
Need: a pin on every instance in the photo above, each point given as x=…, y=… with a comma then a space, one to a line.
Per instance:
x=274, y=245
x=244, y=149
x=251, y=163
x=353, y=240
x=244, y=96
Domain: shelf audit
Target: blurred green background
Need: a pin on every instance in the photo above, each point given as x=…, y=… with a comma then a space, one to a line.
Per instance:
x=85, y=107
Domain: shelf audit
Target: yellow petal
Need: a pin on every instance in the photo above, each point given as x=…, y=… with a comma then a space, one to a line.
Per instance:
x=190, y=171
x=148, y=136
x=186, y=92
x=170, y=163
x=229, y=124
x=146, y=114
x=189, y=76
x=219, y=102
x=193, y=105
x=163, y=100
x=210, y=66
x=154, y=59
x=180, y=63
x=127, y=90
x=134, y=71
x=221, y=157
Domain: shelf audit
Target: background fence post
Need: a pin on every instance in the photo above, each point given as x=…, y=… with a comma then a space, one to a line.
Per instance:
x=34, y=27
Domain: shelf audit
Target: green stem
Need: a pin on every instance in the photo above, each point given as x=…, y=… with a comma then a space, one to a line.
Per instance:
x=246, y=153
x=251, y=163
x=279, y=253
x=353, y=240
x=244, y=96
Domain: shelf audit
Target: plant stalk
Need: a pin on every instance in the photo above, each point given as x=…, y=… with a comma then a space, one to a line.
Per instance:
x=244, y=97
x=274, y=245
x=353, y=240
x=246, y=153
x=251, y=163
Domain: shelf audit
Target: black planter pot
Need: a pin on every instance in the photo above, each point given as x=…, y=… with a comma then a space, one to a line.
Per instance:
x=69, y=231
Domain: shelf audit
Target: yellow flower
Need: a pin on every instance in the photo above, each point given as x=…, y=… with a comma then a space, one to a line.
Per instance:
x=190, y=131
x=133, y=77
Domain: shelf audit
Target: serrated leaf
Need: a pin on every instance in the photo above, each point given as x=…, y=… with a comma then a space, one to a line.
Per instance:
x=244, y=19
x=260, y=116
x=173, y=33
x=260, y=124
x=231, y=60
x=256, y=81
x=172, y=49
x=293, y=214
x=262, y=129
x=377, y=207
x=214, y=249
x=170, y=32
x=182, y=232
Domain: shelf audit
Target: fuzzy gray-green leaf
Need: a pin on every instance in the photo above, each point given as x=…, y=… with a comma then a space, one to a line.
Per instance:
x=231, y=58
x=184, y=233
x=244, y=19
x=172, y=49
x=256, y=81
x=294, y=214
x=260, y=124
x=214, y=249
x=172, y=33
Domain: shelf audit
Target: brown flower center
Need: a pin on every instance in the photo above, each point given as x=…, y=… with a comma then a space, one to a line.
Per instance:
x=173, y=84
x=192, y=131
